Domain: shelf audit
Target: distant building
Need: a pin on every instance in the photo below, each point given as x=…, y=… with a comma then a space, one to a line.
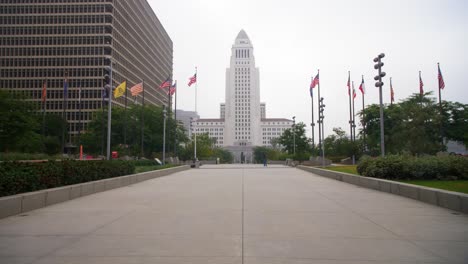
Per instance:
x=242, y=124
x=47, y=40
x=185, y=117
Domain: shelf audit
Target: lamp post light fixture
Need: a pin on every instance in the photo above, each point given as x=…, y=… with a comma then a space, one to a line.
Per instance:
x=321, y=118
x=109, y=89
x=379, y=84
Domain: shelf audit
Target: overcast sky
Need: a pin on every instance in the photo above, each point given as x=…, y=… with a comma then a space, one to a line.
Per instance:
x=292, y=39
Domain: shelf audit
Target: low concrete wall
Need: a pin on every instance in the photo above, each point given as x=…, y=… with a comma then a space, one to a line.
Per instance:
x=451, y=200
x=21, y=203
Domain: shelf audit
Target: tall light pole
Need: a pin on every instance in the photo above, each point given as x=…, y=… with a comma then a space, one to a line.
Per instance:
x=379, y=83
x=321, y=117
x=294, y=134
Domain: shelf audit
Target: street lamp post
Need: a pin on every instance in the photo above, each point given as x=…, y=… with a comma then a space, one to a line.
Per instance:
x=321, y=117
x=379, y=83
x=109, y=87
x=294, y=134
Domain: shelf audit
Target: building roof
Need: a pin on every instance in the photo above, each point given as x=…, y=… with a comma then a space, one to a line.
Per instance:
x=242, y=35
x=210, y=120
x=275, y=120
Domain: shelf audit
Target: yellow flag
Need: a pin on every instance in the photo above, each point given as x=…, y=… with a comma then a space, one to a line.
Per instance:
x=120, y=90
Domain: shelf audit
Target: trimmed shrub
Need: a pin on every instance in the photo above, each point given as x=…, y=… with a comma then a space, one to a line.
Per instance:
x=20, y=177
x=414, y=168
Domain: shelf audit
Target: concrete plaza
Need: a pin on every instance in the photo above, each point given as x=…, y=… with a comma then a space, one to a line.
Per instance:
x=222, y=214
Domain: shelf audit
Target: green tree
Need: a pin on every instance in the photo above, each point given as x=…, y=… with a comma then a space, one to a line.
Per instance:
x=302, y=142
x=339, y=145
x=18, y=123
x=129, y=123
x=416, y=125
x=224, y=156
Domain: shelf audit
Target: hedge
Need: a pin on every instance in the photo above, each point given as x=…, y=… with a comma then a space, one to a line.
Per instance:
x=414, y=168
x=20, y=177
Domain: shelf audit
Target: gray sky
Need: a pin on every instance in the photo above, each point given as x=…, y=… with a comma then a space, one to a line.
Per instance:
x=292, y=39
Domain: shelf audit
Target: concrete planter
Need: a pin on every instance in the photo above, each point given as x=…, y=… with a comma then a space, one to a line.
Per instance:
x=451, y=200
x=20, y=203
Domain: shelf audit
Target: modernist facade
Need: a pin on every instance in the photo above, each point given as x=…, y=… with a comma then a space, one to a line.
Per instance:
x=47, y=40
x=242, y=124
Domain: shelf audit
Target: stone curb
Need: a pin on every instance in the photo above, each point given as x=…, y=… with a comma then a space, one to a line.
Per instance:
x=21, y=203
x=451, y=200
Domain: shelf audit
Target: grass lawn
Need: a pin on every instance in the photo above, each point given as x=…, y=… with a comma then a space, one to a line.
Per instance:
x=139, y=169
x=348, y=169
x=454, y=186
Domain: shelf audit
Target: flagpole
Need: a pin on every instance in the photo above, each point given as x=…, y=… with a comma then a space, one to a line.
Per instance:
x=109, y=112
x=175, y=119
x=421, y=91
x=363, y=115
x=142, y=119
x=195, y=136
x=350, y=110
x=44, y=87
x=125, y=116
x=64, y=117
x=391, y=92
x=440, y=93
x=102, y=123
x=439, y=75
x=354, y=115
x=318, y=121
x=312, y=124
x=79, y=113
x=169, y=108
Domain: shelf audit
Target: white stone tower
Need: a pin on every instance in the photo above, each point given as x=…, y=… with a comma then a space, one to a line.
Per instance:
x=242, y=109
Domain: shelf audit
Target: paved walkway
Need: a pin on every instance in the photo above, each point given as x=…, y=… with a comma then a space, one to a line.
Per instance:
x=233, y=214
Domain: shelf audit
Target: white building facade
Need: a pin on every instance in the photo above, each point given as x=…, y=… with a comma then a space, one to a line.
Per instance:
x=242, y=124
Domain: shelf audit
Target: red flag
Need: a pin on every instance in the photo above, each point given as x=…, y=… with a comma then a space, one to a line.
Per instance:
x=421, y=85
x=44, y=91
x=192, y=79
x=349, y=84
x=136, y=89
x=362, y=87
x=166, y=83
x=441, y=79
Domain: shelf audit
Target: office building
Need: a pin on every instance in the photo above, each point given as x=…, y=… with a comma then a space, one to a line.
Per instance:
x=51, y=40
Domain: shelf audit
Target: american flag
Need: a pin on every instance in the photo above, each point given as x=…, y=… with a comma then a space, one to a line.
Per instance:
x=192, y=79
x=315, y=81
x=441, y=79
x=136, y=89
x=44, y=91
x=166, y=83
x=421, y=85
x=362, y=87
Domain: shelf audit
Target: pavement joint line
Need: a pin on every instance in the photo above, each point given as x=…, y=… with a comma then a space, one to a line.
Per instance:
x=243, y=211
x=383, y=227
